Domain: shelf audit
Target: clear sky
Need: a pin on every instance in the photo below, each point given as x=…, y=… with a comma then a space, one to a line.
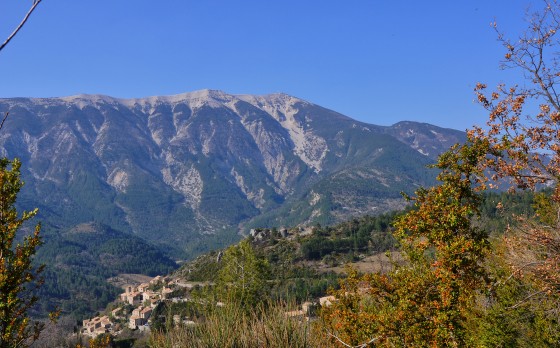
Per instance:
x=378, y=61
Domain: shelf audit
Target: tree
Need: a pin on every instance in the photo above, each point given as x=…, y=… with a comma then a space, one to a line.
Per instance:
x=430, y=299
x=523, y=136
x=449, y=293
x=18, y=277
x=523, y=133
x=242, y=277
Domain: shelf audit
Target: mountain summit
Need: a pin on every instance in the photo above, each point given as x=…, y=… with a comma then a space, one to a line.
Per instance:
x=191, y=170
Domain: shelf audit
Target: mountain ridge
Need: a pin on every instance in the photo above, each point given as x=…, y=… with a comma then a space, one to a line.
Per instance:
x=182, y=170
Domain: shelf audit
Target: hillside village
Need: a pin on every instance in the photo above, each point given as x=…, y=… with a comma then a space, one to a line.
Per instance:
x=138, y=302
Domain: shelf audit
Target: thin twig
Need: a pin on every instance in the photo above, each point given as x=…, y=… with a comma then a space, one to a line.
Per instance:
x=514, y=273
x=363, y=345
x=527, y=298
x=4, y=120
x=35, y=3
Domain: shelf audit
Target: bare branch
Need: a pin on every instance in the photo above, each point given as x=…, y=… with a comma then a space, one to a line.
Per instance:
x=514, y=274
x=527, y=298
x=35, y=3
x=363, y=345
x=4, y=120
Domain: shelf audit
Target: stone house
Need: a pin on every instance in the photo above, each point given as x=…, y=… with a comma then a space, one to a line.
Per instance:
x=156, y=280
x=135, y=321
x=166, y=293
x=139, y=317
x=115, y=312
x=96, y=326
x=143, y=287
x=146, y=313
x=150, y=296
x=133, y=298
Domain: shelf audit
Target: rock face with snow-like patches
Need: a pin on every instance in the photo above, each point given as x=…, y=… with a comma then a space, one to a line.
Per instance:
x=175, y=169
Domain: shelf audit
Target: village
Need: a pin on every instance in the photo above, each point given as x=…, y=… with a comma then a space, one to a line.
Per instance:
x=142, y=298
x=136, y=305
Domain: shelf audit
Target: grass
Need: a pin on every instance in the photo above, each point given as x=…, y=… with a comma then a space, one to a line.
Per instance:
x=232, y=326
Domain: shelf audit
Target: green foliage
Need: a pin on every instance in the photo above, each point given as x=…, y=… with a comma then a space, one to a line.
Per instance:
x=82, y=259
x=309, y=285
x=162, y=316
x=242, y=277
x=546, y=208
x=74, y=293
x=497, y=209
x=18, y=278
x=203, y=268
x=508, y=317
x=365, y=235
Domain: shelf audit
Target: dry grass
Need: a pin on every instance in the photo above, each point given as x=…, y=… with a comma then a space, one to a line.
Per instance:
x=231, y=326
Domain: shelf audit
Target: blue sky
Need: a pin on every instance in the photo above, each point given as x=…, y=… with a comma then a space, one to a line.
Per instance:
x=377, y=61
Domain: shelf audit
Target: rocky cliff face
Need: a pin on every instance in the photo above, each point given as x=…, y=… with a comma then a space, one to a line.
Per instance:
x=192, y=169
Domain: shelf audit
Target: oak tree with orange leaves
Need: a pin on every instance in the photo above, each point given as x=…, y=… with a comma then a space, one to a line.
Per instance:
x=428, y=300
x=449, y=293
x=523, y=133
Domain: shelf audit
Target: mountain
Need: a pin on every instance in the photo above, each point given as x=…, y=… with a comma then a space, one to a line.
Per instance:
x=189, y=172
